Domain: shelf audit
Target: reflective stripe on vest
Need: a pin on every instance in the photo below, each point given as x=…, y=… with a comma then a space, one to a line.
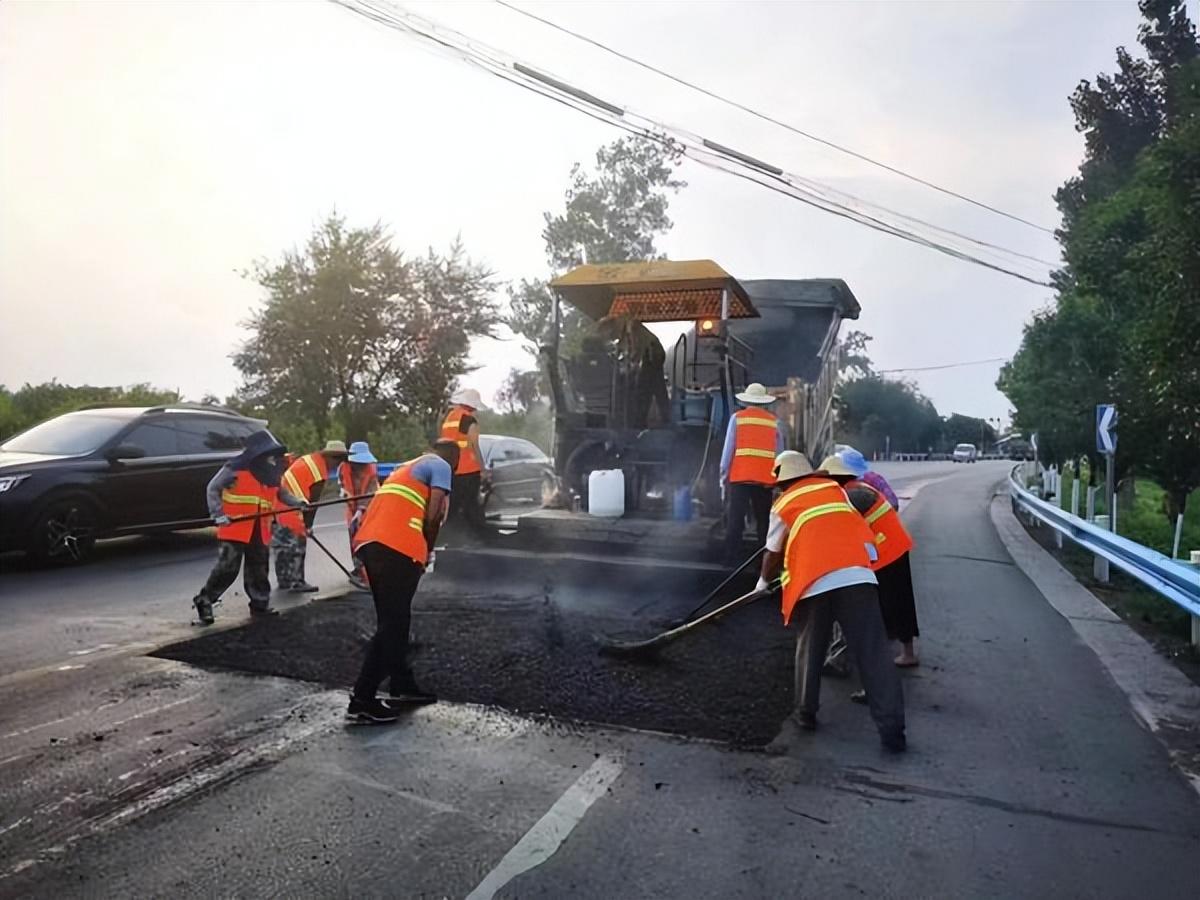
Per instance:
x=885, y=523
x=451, y=430
x=390, y=518
x=822, y=538
x=755, y=437
x=245, y=497
x=299, y=480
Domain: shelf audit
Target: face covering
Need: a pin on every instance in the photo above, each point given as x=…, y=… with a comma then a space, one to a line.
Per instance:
x=267, y=469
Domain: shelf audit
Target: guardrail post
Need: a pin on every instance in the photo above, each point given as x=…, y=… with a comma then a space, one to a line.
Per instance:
x=1100, y=569
x=1091, y=503
x=1075, y=497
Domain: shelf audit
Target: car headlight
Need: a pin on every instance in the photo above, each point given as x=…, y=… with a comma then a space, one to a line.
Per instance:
x=8, y=482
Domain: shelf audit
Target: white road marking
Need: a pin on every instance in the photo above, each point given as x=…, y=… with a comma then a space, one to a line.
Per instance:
x=38, y=727
x=90, y=650
x=69, y=668
x=548, y=833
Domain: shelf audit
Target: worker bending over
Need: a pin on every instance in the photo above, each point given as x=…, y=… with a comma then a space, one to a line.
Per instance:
x=357, y=480
x=825, y=551
x=461, y=427
x=242, y=498
x=752, y=441
x=305, y=478
x=395, y=543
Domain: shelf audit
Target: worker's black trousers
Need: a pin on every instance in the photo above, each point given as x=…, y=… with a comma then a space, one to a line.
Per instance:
x=743, y=497
x=466, y=504
x=856, y=609
x=394, y=579
x=253, y=559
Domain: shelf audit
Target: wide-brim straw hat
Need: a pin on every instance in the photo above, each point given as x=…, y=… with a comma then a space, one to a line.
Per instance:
x=468, y=397
x=834, y=465
x=790, y=465
x=755, y=394
x=338, y=447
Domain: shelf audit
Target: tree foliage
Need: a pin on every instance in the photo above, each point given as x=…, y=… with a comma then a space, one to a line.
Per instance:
x=876, y=414
x=352, y=333
x=34, y=403
x=1126, y=322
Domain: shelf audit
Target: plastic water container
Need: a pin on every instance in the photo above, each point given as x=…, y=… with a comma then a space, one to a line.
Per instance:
x=682, y=507
x=606, y=492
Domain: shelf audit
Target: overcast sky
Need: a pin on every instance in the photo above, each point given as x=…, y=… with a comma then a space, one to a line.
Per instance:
x=151, y=151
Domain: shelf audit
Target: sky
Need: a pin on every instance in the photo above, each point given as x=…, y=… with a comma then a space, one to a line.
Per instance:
x=149, y=153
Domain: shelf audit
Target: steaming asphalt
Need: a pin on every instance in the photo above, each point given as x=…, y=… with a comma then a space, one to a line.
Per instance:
x=1027, y=775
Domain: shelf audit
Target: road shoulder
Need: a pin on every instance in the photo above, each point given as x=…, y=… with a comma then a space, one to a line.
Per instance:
x=1162, y=698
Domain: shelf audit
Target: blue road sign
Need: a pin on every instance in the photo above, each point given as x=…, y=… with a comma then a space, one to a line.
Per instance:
x=1106, y=428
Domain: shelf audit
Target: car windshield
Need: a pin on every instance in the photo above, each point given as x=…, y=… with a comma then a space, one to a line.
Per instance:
x=69, y=435
x=965, y=447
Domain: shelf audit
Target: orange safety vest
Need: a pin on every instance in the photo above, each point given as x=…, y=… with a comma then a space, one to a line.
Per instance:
x=352, y=488
x=451, y=430
x=892, y=539
x=299, y=479
x=396, y=515
x=755, y=439
x=245, y=497
x=825, y=533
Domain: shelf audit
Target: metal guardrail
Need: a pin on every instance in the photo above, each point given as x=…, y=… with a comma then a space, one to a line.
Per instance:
x=1177, y=581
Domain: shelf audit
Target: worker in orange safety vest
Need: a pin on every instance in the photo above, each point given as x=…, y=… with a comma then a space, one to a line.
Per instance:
x=304, y=478
x=470, y=474
x=358, y=479
x=753, y=438
x=823, y=550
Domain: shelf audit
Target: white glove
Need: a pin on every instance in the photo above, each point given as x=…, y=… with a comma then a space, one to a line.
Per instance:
x=429, y=562
x=761, y=585
x=222, y=519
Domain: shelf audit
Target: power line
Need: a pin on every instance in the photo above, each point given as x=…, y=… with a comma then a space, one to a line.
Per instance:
x=769, y=118
x=503, y=65
x=957, y=365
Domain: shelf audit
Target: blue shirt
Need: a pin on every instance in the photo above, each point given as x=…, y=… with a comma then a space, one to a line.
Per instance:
x=434, y=471
x=731, y=442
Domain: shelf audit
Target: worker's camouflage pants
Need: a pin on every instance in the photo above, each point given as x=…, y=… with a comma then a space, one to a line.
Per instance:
x=290, y=549
x=232, y=556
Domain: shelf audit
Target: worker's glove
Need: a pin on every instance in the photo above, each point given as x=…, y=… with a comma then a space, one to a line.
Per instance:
x=222, y=519
x=429, y=562
x=762, y=584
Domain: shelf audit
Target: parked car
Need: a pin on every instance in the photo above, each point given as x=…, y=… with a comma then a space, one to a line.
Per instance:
x=112, y=471
x=965, y=453
x=520, y=471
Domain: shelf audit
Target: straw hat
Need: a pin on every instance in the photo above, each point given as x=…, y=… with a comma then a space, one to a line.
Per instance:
x=790, y=465
x=468, y=397
x=833, y=465
x=754, y=394
x=335, y=447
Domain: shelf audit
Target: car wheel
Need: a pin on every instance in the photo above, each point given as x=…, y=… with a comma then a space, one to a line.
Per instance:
x=65, y=531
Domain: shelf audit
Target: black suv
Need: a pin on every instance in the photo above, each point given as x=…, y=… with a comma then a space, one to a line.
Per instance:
x=103, y=472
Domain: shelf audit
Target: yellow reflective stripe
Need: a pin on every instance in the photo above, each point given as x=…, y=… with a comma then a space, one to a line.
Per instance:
x=293, y=485
x=417, y=524
x=785, y=578
x=748, y=420
x=312, y=467
x=787, y=498
x=246, y=499
x=403, y=490
x=769, y=454
x=880, y=537
x=878, y=513
x=464, y=444
x=808, y=515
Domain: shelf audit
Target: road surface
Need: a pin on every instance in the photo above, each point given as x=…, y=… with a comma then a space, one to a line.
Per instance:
x=122, y=774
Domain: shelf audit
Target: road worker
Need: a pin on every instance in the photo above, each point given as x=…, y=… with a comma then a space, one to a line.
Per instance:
x=246, y=487
x=305, y=478
x=461, y=426
x=357, y=480
x=396, y=544
x=823, y=549
x=752, y=440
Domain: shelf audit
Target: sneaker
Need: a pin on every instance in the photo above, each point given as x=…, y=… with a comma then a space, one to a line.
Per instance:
x=372, y=712
x=204, y=609
x=859, y=697
x=303, y=587
x=412, y=696
x=894, y=741
x=806, y=720
x=260, y=612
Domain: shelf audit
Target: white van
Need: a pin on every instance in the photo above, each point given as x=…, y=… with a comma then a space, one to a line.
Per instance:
x=964, y=453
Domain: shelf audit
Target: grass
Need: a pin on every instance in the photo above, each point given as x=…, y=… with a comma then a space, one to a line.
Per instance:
x=1146, y=523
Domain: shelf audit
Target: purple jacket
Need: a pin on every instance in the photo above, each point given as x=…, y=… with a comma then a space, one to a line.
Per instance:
x=877, y=481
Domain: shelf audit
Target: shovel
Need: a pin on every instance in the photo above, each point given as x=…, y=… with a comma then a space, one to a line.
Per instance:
x=720, y=587
x=648, y=647
x=337, y=562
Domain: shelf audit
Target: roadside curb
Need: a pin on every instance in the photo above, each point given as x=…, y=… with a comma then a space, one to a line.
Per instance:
x=1161, y=697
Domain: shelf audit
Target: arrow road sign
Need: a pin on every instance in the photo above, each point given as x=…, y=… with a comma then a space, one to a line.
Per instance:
x=1106, y=428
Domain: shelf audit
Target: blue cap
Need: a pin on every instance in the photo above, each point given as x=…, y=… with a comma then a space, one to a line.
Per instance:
x=854, y=461
x=360, y=452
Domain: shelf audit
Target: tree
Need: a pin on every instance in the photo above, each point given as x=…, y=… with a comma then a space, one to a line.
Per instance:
x=875, y=414
x=853, y=361
x=352, y=333
x=34, y=403
x=960, y=429
x=521, y=390
x=615, y=213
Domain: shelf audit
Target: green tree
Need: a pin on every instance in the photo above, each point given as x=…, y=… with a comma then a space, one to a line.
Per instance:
x=351, y=333
x=875, y=414
x=853, y=361
x=34, y=403
x=960, y=429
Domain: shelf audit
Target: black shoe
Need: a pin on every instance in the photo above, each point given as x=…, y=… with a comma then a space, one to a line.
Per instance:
x=204, y=609
x=859, y=697
x=303, y=587
x=372, y=712
x=894, y=742
x=412, y=696
x=807, y=720
x=262, y=612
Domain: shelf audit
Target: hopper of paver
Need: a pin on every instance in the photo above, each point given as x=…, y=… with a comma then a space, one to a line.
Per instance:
x=623, y=404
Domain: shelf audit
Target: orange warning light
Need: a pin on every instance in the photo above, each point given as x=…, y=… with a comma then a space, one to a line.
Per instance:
x=707, y=326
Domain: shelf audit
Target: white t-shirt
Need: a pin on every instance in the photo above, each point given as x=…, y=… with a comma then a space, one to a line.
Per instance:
x=777, y=533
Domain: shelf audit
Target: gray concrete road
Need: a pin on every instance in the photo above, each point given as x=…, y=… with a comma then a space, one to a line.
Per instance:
x=1027, y=774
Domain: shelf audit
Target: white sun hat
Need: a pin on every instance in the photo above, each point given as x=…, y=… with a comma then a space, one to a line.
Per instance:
x=468, y=397
x=791, y=464
x=756, y=394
